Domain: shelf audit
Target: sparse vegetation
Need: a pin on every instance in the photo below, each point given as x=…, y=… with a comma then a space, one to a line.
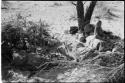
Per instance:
x=30, y=53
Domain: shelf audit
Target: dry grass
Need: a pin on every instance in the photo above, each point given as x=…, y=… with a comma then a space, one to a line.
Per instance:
x=116, y=75
x=97, y=66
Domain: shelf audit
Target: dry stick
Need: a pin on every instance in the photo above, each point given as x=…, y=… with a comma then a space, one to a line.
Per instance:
x=112, y=14
x=73, y=3
x=115, y=70
x=102, y=55
x=100, y=67
x=41, y=67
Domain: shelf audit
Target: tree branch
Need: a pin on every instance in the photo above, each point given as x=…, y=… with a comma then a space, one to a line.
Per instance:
x=73, y=3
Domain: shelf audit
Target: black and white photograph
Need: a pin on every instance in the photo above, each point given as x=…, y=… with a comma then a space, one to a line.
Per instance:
x=62, y=41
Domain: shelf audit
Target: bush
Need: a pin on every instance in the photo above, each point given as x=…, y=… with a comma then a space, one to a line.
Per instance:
x=21, y=35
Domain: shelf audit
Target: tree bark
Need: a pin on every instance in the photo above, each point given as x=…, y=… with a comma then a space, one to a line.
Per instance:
x=80, y=14
x=89, y=12
x=84, y=19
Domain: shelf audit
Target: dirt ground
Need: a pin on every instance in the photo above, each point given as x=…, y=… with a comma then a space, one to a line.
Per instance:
x=59, y=13
x=60, y=16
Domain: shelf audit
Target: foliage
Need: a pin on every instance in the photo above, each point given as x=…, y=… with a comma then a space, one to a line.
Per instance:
x=22, y=34
x=26, y=37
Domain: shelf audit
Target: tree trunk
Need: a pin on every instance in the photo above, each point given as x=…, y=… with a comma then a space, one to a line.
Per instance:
x=89, y=12
x=80, y=14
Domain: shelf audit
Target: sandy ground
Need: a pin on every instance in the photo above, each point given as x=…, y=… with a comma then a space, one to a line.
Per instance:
x=59, y=16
